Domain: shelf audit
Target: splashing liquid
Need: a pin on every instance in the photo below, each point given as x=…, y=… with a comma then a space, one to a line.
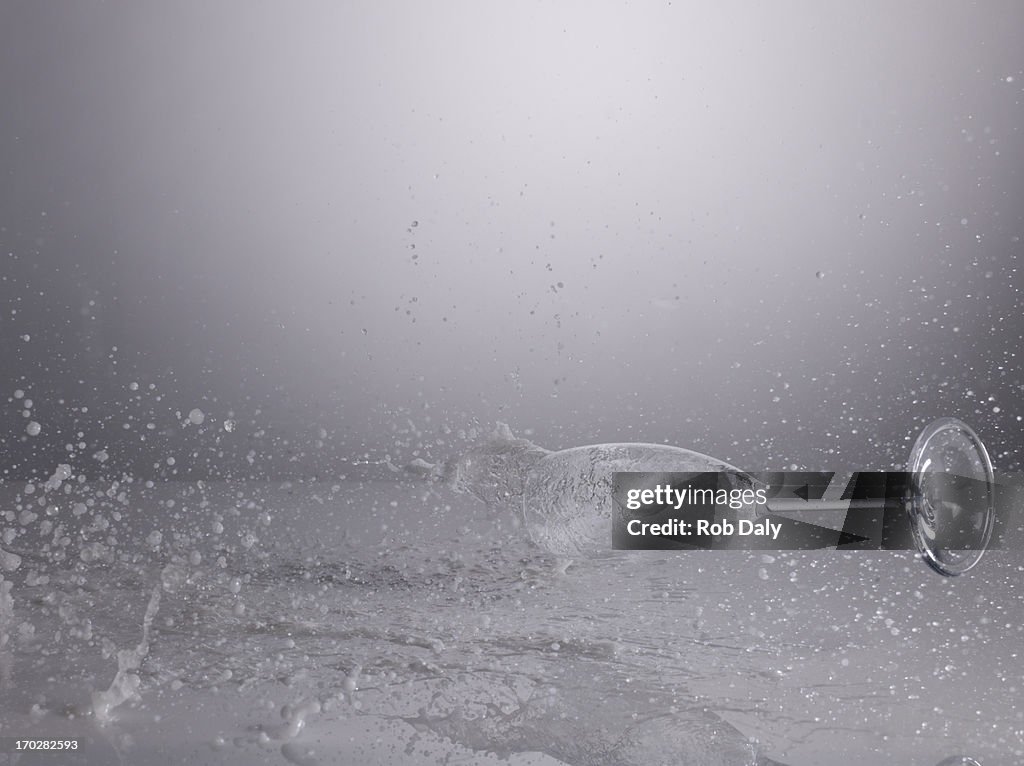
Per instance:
x=565, y=497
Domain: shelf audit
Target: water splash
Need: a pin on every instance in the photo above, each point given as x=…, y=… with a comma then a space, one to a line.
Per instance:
x=6, y=611
x=125, y=685
x=565, y=497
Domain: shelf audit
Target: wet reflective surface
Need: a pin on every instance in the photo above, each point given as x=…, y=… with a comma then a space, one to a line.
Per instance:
x=392, y=622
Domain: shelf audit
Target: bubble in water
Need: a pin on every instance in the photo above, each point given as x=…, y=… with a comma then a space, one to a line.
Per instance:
x=196, y=416
x=33, y=428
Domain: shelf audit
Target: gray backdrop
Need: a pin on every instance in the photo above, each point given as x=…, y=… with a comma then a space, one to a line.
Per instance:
x=779, y=233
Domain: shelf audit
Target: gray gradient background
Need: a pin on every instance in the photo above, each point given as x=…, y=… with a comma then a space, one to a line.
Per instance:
x=620, y=211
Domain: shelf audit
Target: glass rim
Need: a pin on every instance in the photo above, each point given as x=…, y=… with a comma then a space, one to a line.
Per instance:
x=918, y=463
